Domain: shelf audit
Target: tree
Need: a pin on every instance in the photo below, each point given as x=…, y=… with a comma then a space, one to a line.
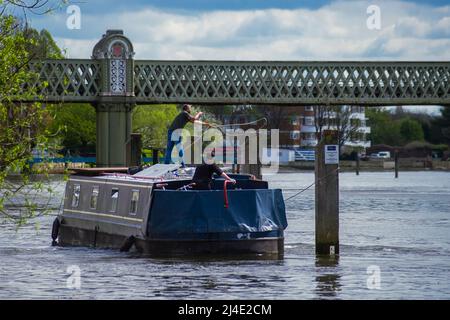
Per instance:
x=42, y=45
x=152, y=122
x=21, y=124
x=75, y=125
x=20, y=127
x=274, y=114
x=445, y=124
x=384, y=130
x=341, y=119
x=411, y=130
x=216, y=113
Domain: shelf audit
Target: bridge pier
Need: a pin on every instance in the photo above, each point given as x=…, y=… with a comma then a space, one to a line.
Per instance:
x=113, y=132
x=114, y=52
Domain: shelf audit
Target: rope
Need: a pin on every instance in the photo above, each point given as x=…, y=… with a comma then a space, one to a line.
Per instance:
x=308, y=187
x=228, y=125
x=240, y=124
x=301, y=191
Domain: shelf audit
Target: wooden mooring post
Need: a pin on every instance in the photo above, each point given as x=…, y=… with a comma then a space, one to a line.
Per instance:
x=327, y=194
x=134, y=150
x=254, y=169
x=155, y=155
x=357, y=163
x=396, y=163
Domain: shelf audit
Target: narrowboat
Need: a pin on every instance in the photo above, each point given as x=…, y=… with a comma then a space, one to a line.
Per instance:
x=156, y=212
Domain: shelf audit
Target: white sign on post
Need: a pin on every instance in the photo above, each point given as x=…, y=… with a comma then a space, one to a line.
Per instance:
x=332, y=154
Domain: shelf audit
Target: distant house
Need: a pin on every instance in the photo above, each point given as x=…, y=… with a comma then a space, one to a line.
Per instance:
x=297, y=129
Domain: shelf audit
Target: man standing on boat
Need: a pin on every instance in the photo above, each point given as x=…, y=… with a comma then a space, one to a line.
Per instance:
x=180, y=122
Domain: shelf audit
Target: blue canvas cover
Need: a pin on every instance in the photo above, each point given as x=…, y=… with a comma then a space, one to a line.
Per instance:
x=198, y=212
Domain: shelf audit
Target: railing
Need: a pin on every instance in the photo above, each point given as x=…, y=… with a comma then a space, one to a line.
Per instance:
x=145, y=160
x=63, y=160
x=305, y=155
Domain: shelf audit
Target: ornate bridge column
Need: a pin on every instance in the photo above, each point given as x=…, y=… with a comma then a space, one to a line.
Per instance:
x=116, y=101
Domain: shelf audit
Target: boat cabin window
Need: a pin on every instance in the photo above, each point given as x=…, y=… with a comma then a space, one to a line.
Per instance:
x=134, y=202
x=114, y=199
x=76, y=195
x=94, y=197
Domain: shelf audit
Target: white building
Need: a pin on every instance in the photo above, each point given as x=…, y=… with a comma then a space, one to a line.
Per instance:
x=357, y=119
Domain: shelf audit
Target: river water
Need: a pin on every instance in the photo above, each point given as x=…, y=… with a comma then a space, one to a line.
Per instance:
x=395, y=244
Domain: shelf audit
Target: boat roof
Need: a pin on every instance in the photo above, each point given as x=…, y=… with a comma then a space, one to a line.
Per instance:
x=156, y=173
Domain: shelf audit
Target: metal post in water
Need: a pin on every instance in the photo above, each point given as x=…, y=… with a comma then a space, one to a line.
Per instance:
x=327, y=194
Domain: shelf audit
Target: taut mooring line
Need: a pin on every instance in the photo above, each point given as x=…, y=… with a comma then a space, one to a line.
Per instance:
x=303, y=190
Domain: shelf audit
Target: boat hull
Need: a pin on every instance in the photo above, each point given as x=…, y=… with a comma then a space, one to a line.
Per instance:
x=267, y=247
x=176, y=247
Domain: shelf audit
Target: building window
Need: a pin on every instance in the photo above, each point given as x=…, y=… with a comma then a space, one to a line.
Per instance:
x=294, y=122
x=309, y=108
x=294, y=135
x=356, y=136
x=114, y=199
x=134, y=202
x=355, y=122
x=308, y=121
x=357, y=109
x=332, y=123
x=94, y=197
x=309, y=136
x=76, y=195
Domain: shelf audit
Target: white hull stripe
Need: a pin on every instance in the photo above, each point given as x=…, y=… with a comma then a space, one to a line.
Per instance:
x=111, y=182
x=103, y=215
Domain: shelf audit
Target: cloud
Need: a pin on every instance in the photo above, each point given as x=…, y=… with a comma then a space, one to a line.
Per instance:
x=336, y=31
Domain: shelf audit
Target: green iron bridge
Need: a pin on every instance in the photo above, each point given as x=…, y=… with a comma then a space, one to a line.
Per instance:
x=113, y=82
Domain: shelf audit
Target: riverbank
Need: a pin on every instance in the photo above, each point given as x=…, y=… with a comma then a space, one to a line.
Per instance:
x=406, y=164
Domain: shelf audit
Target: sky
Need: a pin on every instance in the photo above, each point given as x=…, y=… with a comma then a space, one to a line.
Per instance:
x=260, y=29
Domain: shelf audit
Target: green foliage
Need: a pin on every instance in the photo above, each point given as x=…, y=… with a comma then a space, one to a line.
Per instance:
x=152, y=122
x=42, y=45
x=395, y=132
x=411, y=130
x=75, y=125
x=444, y=123
x=383, y=129
x=426, y=145
x=22, y=125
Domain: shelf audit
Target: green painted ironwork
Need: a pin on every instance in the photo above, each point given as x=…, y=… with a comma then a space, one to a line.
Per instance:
x=69, y=80
x=375, y=83
x=226, y=82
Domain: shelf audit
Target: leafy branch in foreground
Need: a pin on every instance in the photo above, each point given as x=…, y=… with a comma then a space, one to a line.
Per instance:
x=22, y=124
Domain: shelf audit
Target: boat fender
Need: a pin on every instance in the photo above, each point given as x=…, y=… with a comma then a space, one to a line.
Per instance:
x=127, y=244
x=55, y=231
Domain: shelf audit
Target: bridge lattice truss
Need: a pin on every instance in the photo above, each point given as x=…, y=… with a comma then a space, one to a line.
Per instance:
x=226, y=82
